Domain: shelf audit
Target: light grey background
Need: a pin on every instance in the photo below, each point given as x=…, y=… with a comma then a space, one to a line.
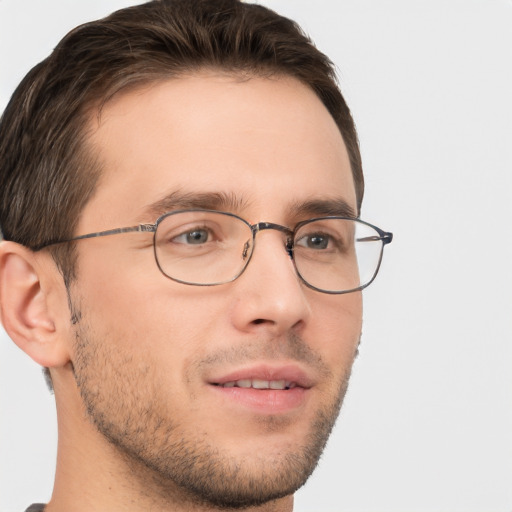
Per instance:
x=427, y=423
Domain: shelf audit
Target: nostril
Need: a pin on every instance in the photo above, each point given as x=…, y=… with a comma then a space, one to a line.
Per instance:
x=258, y=321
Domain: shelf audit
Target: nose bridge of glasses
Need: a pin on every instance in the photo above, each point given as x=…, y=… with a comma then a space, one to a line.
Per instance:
x=262, y=226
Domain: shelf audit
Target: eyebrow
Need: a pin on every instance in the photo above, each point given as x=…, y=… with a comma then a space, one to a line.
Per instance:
x=178, y=200
x=336, y=207
x=231, y=202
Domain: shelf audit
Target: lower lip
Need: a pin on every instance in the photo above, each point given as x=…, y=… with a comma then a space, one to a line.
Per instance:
x=264, y=401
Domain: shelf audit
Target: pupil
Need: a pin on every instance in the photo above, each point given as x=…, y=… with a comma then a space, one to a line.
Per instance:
x=197, y=237
x=317, y=242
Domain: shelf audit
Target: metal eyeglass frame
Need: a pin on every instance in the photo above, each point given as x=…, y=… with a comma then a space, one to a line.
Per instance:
x=384, y=236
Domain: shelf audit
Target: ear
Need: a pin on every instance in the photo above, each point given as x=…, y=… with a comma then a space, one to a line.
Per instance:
x=30, y=288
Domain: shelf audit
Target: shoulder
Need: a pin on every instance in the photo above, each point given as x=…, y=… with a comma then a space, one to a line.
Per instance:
x=36, y=507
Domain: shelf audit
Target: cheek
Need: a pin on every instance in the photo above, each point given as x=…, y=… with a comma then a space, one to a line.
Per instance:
x=126, y=290
x=160, y=324
x=338, y=321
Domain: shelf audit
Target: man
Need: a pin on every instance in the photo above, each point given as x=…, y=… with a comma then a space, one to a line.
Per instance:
x=180, y=192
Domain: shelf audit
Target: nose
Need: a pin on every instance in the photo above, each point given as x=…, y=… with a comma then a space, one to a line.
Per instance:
x=269, y=294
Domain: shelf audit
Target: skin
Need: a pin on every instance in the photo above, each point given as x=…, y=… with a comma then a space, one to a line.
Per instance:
x=134, y=372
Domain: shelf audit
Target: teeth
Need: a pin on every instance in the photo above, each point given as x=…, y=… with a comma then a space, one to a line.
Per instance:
x=277, y=384
x=260, y=384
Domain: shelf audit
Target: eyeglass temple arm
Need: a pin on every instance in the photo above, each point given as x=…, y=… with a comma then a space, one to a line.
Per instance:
x=140, y=227
x=150, y=228
x=386, y=238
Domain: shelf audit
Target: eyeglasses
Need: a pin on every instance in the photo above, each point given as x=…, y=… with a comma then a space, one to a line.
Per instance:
x=205, y=248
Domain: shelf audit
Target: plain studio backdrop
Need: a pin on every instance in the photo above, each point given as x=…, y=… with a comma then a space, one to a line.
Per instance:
x=427, y=422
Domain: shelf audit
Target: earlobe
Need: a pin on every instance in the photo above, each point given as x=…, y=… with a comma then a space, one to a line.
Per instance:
x=24, y=305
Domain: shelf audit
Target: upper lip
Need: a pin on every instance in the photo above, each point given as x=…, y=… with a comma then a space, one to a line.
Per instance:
x=292, y=373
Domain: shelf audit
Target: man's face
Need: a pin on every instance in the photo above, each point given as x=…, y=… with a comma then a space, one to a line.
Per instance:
x=155, y=360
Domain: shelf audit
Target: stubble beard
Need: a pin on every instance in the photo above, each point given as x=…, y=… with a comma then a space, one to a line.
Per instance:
x=175, y=459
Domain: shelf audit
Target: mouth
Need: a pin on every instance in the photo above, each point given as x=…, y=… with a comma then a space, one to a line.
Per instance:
x=258, y=384
x=264, y=389
x=265, y=376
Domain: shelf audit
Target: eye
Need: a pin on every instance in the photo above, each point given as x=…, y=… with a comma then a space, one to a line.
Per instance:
x=194, y=237
x=316, y=241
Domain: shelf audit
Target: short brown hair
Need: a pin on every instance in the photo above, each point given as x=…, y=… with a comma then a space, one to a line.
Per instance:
x=47, y=173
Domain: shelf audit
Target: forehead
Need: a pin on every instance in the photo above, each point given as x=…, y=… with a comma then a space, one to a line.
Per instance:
x=267, y=142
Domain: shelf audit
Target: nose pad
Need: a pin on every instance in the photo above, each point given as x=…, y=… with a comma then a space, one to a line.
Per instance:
x=245, y=251
x=288, y=247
